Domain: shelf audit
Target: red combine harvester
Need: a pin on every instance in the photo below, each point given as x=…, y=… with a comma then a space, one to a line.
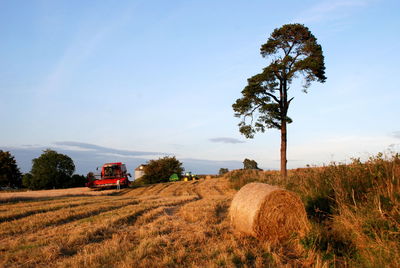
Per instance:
x=111, y=173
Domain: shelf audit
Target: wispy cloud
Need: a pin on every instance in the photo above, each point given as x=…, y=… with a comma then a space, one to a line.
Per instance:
x=327, y=10
x=226, y=140
x=396, y=134
x=80, y=146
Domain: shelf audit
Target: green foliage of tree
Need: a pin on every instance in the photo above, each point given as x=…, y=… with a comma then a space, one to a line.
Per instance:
x=161, y=169
x=9, y=172
x=250, y=164
x=294, y=52
x=75, y=181
x=27, y=181
x=50, y=170
x=223, y=171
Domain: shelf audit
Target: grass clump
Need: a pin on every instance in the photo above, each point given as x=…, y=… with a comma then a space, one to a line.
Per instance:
x=354, y=208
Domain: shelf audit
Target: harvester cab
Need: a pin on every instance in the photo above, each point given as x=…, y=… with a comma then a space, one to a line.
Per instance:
x=112, y=174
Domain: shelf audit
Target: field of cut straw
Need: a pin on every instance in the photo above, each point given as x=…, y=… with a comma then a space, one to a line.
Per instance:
x=162, y=225
x=43, y=194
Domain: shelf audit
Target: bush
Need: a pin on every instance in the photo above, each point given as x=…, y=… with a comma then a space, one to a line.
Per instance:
x=250, y=164
x=223, y=171
x=161, y=169
x=10, y=175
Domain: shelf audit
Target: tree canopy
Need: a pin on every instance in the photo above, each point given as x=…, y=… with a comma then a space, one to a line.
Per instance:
x=293, y=51
x=161, y=169
x=50, y=170
x=10, y=175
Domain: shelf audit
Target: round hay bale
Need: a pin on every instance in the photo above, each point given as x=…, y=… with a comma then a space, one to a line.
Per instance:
x=268, y=212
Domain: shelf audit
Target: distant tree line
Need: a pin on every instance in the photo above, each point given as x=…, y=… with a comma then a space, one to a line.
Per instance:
x=54, y=170
x=247, y=164
x=50, y=170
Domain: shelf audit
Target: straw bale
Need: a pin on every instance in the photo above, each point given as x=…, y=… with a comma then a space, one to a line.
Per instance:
x=268, y=212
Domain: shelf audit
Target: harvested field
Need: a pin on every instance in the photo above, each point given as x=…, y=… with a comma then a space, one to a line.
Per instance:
x=43, y=194
x=163, y=225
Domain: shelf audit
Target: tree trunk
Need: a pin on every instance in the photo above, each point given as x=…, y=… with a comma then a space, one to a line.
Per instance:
x=283, y=150
x=284, y=109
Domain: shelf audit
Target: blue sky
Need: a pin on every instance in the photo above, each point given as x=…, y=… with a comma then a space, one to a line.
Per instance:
x=136, y=80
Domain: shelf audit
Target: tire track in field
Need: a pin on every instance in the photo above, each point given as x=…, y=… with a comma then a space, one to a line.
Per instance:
x=146, y=189
x=192, y=188
x=151, y=216
x=177, y=188
x=184, y=188
x=162, y=188
x=197, y=192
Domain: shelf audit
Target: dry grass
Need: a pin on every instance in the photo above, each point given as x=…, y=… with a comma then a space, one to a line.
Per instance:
x=354, y=211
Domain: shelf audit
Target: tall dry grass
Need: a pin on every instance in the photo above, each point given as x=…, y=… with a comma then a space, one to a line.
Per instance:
x=354, y=209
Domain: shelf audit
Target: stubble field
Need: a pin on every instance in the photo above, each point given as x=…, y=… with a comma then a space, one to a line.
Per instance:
x=162, y=225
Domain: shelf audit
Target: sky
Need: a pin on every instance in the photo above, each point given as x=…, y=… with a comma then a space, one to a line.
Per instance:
x=130, y=81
